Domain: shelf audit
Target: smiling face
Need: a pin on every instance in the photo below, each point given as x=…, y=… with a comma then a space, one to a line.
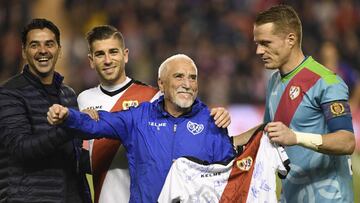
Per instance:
x=41, y=52
x=273, y=49
x=108, y=58
x=178, y=82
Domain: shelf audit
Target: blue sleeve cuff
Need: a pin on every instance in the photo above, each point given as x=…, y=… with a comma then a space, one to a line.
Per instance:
x=71, y=118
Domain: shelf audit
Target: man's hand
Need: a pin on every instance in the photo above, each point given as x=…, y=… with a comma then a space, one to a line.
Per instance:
x=57, y=114
x=221, y=117
x=279, y=133
x=92, y=113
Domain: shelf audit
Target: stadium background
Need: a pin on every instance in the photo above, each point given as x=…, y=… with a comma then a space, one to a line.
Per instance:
x=217, y=34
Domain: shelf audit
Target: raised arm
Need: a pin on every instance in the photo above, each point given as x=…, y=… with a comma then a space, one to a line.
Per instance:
x=109, y=125
x=57, y=114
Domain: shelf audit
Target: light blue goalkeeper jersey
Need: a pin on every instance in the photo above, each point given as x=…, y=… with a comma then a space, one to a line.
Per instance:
x=315, y=96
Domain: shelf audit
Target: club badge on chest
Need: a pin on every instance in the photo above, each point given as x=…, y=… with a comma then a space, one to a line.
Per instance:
x=294, y=92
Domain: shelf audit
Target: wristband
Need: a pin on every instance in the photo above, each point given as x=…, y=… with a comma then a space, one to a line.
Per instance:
x=309, y=140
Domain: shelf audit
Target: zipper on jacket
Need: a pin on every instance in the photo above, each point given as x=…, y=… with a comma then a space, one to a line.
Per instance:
x=175, y=128
x=173, y=142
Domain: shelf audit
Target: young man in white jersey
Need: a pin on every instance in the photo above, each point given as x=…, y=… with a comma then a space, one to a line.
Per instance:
x=108, y=56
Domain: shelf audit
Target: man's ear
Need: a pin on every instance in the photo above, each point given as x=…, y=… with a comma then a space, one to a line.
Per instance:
x=126, y=55
x=91, y=61
x=23, y=53
x=291, y=39
x=60, y=52
x=161, y=85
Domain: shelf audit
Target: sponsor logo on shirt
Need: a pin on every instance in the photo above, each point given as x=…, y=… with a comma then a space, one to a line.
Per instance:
x=245, y=163
x=294, y=92
x=94, y=107
x=207, y=175
x=194, y=128
x=157, y=125
x=131, y=103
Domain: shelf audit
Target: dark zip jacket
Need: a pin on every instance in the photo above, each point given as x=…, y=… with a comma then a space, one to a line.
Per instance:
x=38, y=162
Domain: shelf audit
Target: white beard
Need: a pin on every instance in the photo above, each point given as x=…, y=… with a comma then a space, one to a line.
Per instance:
x=184, y=103
x=181, y=102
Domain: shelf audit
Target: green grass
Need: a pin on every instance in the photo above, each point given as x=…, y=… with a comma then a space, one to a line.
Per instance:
x=89, y=178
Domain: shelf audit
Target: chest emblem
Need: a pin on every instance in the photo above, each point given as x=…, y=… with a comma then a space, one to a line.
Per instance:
x=245, y=163
x=131, y=103
x=294, y=92
x=195, y=128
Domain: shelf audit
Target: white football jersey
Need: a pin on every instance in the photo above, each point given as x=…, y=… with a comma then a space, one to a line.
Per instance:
x=250, y=177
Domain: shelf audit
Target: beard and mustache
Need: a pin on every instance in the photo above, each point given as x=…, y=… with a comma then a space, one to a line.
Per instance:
x=184, y=103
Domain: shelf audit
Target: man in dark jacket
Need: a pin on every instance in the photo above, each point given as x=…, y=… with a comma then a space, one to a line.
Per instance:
x=38, y=162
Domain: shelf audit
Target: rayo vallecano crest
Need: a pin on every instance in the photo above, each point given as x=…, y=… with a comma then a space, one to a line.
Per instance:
x=194, y=128
x=294, y=92
x=245, y=163
x=130, y=103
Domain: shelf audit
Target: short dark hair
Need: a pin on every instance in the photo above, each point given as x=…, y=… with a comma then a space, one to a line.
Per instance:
x=285, y=20
x=40, y=23
x=103, y=32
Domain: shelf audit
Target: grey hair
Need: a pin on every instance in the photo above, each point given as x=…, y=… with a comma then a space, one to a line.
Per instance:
x=164, y=64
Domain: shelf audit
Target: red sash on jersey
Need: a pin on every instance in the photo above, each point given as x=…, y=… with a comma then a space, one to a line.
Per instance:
x=293, y=95
x=240, y=177
x=104, y=150
x=243, y=167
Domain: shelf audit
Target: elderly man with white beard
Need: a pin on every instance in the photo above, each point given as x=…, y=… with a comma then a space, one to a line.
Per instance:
x=154, y=134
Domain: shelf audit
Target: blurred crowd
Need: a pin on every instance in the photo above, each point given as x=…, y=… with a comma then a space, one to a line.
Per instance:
x=216, y=33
